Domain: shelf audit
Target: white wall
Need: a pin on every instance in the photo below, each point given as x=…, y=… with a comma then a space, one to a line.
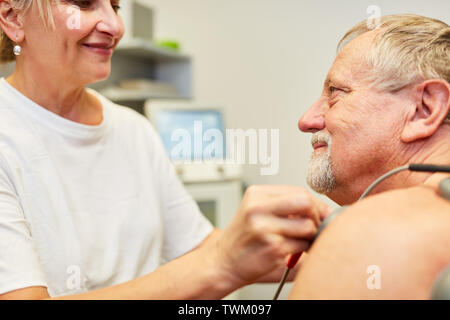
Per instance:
x=265, y=60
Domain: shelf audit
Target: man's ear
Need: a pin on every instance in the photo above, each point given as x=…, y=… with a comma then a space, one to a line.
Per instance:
x=10, y=21
x=432, y=107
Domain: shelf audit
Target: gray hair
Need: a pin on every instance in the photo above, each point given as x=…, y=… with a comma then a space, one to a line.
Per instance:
x=407, y=48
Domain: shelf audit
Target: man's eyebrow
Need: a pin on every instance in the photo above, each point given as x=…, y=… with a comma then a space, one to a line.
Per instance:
x=329, y=81
x=332, y=81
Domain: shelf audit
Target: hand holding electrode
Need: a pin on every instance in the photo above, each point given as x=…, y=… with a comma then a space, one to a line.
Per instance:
x=271, y=223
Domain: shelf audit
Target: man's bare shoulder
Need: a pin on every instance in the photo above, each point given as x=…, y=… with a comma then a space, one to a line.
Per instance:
x=389, y=246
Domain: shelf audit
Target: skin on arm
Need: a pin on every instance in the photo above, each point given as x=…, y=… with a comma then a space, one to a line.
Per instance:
x=164, y=283
x=178, y=279
x=271, y=223
x=406, y=233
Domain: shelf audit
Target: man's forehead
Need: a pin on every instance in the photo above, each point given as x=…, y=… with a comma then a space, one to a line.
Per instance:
x=350, y=64
x=339, y=75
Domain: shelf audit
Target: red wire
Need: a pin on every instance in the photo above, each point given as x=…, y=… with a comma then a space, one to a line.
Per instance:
x=293, y=259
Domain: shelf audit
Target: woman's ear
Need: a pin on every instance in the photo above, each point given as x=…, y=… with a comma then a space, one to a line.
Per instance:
x=11, y=22
x=432, y=107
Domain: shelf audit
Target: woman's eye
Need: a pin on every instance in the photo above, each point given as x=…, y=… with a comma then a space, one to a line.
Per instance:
x=82, y=3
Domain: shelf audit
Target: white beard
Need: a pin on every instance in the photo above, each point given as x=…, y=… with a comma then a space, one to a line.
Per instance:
x=320, y=175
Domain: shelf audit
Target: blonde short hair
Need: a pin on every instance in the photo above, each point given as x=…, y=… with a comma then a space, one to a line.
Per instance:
x=45, y=12
x=407, y=48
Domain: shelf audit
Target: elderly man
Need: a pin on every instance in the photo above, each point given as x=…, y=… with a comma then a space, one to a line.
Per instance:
x=385, y=103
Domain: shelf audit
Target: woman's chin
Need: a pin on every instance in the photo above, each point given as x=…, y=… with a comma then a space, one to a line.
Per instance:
x=98, y=76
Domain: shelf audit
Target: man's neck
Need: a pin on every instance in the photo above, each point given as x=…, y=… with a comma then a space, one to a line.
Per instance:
x=435, y=150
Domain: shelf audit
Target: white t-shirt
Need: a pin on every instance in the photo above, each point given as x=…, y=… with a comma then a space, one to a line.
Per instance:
x=84, y=207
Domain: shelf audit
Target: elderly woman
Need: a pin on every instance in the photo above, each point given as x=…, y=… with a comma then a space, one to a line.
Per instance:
x=90, y=206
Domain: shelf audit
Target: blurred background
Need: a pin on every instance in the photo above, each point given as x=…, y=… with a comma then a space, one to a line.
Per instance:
x=236, y=64
x=264, y=62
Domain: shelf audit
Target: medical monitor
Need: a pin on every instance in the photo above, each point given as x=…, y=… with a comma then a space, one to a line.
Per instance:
x=189, y=132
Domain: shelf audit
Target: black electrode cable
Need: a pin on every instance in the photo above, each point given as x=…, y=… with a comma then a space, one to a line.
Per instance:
x=411, y=167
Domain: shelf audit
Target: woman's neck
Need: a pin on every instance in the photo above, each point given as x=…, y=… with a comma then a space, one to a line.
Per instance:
x=61, y=96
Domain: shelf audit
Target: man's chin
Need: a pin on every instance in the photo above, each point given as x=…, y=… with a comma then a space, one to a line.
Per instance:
x=322, y=188
x=320, y=175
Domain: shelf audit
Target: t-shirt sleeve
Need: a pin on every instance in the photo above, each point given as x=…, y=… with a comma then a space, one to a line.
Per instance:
x=185, y=227
x=19, y=260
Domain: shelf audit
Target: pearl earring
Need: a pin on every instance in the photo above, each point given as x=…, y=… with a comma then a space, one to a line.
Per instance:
x=17, y=50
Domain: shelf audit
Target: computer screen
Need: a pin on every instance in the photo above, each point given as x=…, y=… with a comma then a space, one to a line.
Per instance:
x=190, y=135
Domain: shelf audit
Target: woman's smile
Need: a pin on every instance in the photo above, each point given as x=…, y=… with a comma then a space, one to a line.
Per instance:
x=102, y=48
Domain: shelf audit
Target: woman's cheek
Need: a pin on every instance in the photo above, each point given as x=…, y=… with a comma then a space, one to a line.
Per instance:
x=69, y=18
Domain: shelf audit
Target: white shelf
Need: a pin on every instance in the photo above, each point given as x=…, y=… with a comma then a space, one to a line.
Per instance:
x=146, y=49
x=119, y=94
x=142, y=59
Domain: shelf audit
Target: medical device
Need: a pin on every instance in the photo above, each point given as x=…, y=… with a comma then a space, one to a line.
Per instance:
x=441, y=287
x=195, y=138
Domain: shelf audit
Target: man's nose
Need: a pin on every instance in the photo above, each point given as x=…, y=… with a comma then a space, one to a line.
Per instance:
x=313, y=120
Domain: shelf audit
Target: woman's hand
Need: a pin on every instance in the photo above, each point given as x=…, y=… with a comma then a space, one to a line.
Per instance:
x=271, y=223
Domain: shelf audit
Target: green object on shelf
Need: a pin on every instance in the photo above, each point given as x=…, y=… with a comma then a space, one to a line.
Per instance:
x=169, y=44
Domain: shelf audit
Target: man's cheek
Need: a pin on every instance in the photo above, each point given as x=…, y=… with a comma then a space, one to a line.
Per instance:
x=344, y=150
x=344, y=124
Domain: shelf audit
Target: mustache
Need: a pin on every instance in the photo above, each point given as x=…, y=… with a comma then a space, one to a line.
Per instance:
x=322, y=137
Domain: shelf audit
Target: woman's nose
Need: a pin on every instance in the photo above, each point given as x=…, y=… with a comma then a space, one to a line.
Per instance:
x=110, y=22
x=313, y=120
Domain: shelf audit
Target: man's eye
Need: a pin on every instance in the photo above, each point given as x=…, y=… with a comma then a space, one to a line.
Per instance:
x=334, y=89
x=333, y=98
